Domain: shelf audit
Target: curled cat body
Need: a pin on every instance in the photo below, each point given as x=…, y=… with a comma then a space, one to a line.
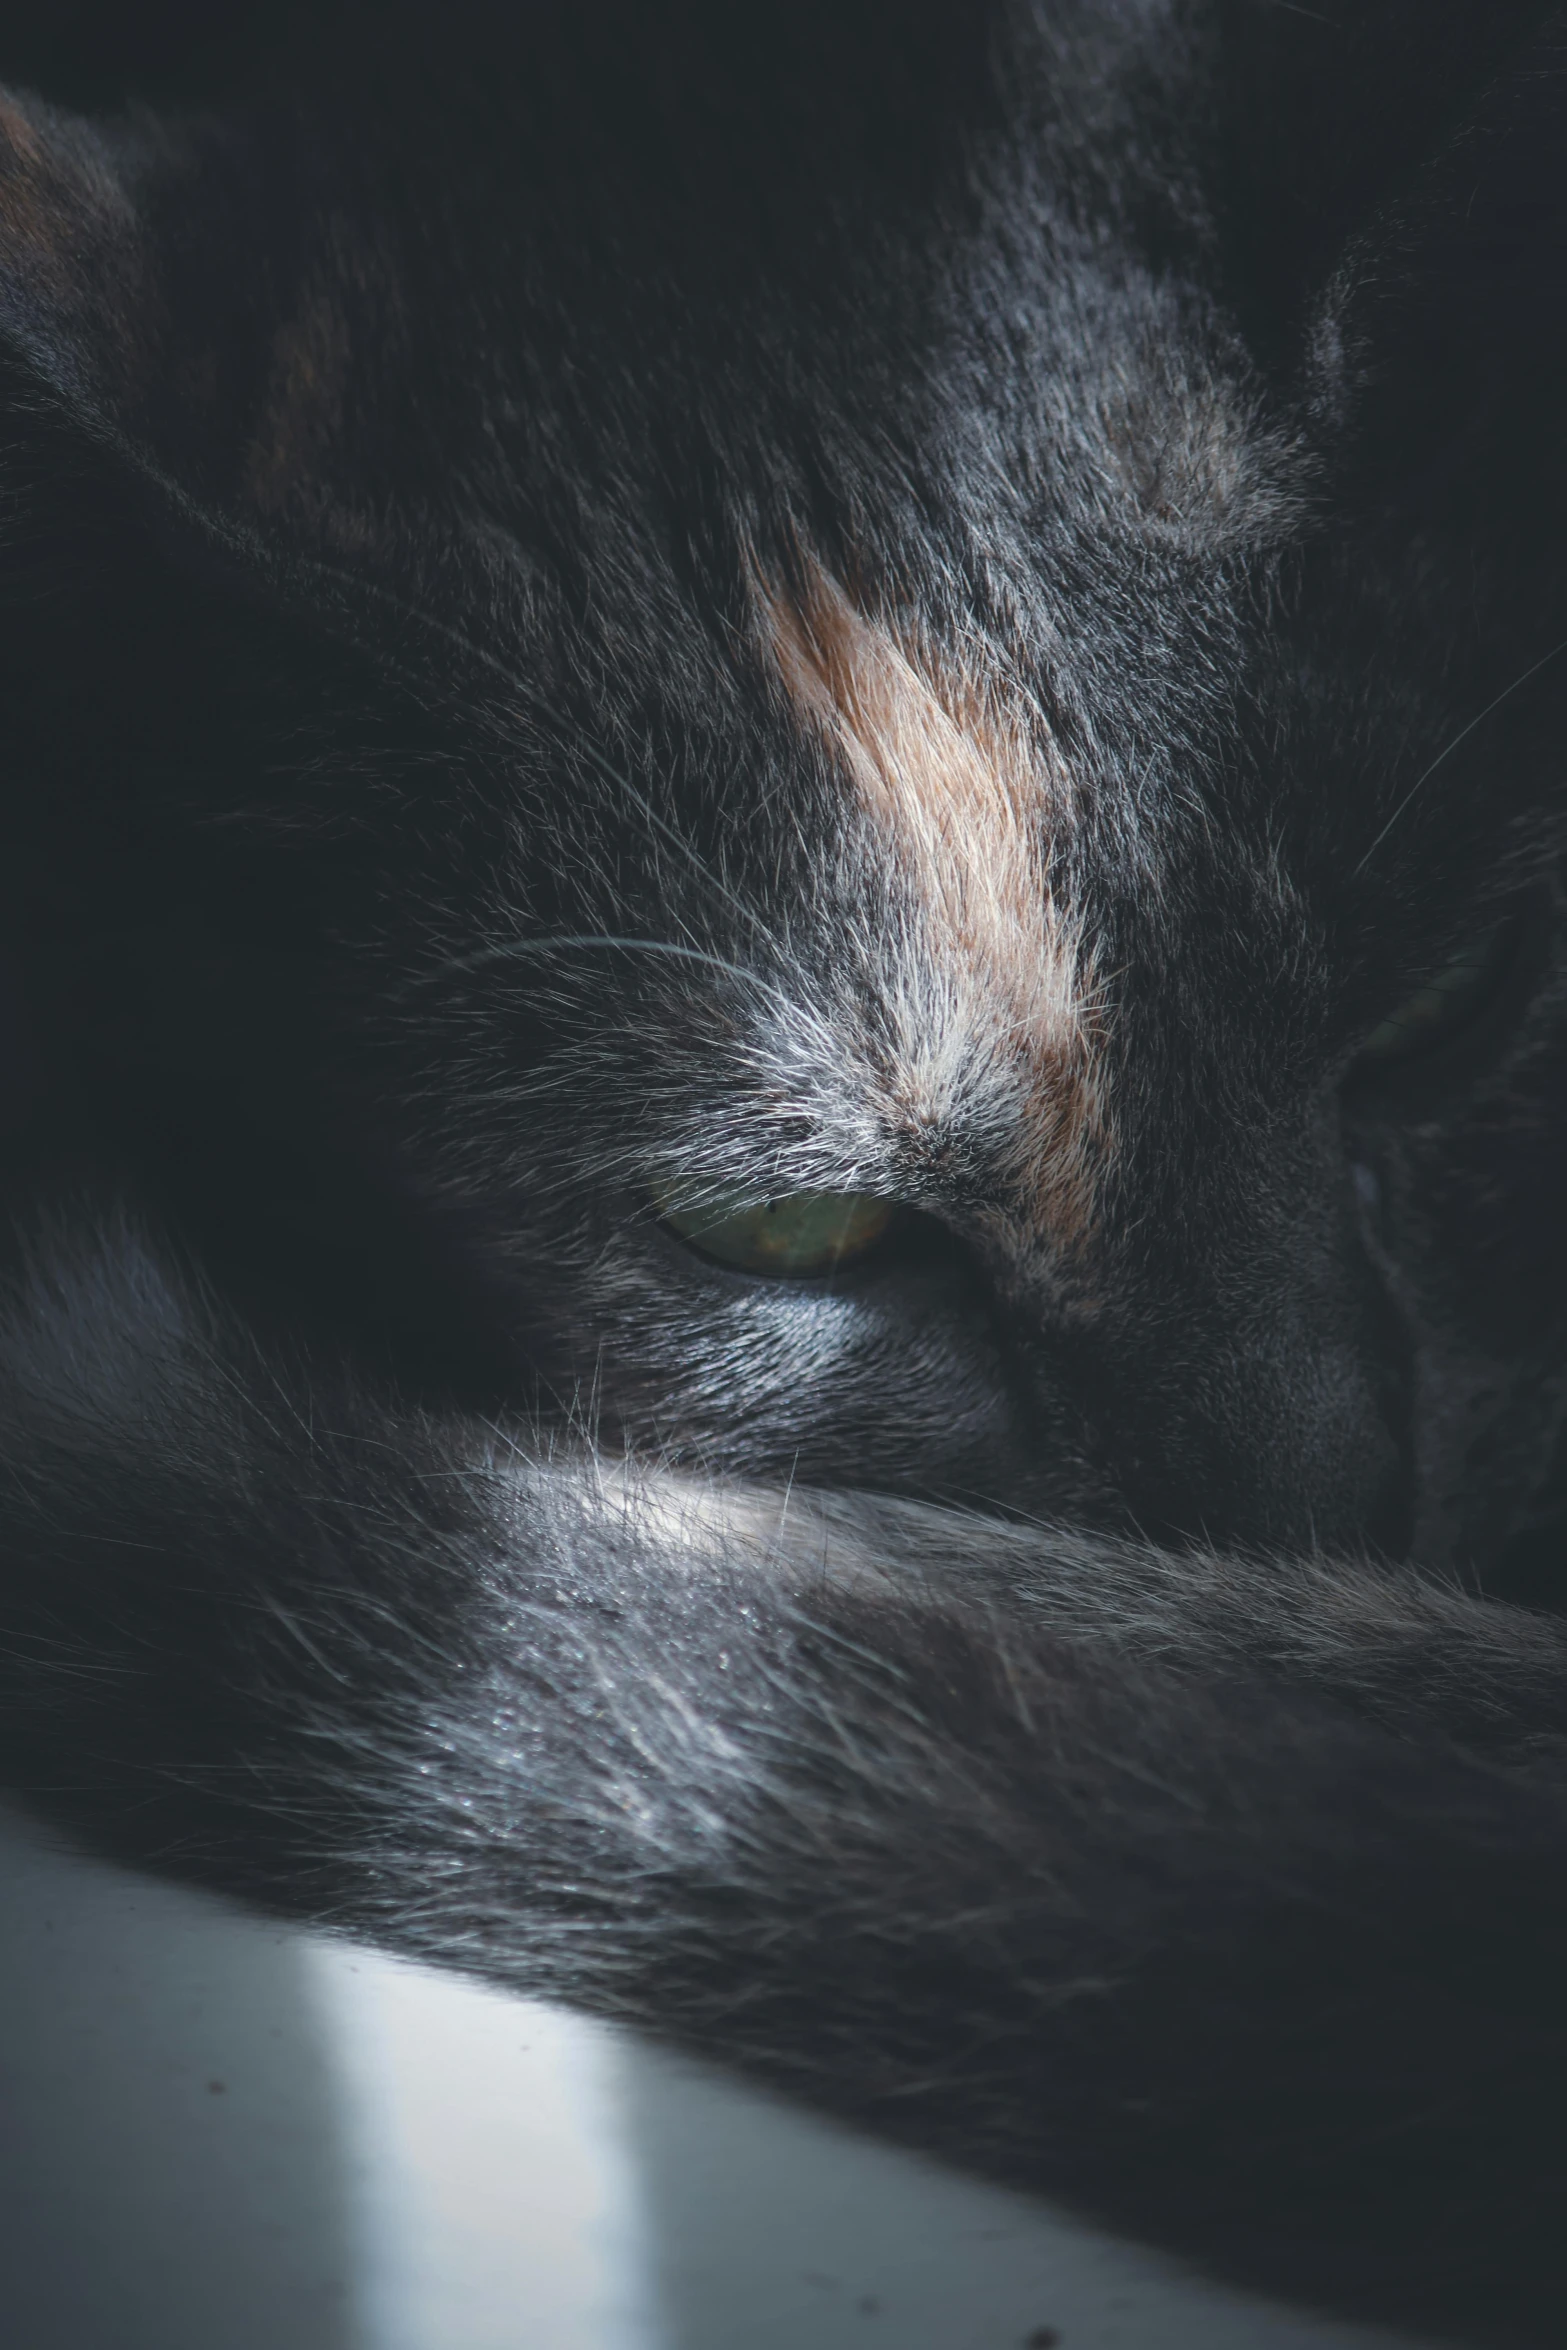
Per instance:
x=786, y=1060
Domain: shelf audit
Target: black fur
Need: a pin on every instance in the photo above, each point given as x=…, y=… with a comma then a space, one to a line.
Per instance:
x=1071, y=1707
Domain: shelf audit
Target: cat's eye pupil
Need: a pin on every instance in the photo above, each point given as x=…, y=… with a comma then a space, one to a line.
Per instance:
x=794, y=1234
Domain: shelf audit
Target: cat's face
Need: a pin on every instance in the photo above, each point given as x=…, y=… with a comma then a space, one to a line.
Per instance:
x=1070, y=1040
x=945, y=771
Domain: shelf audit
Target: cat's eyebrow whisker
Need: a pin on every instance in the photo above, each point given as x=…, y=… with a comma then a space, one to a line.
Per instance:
x=518, y=685
x=678, y=841
x=418, y=619
x=1448, y=749
x=516, y=949
x=1294, y=8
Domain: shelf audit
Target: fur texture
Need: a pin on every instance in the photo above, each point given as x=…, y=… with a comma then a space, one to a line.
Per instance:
x=950, y=604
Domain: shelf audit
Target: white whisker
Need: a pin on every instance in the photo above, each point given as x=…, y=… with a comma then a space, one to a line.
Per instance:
x=1461, y=736
x=621, y=783
x=510, y=950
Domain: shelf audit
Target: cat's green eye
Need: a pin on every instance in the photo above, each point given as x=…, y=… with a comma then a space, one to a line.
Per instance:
x=1446, y=1002
x=798, y=1233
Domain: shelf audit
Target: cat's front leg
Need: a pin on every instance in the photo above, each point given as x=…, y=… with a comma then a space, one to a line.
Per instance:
x=1417, y=1653
x=1031, y=1882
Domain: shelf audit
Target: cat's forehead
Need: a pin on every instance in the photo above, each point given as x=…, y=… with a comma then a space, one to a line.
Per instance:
x=958, y=810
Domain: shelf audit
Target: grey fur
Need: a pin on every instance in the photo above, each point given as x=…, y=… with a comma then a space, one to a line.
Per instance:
x=1058, y=1695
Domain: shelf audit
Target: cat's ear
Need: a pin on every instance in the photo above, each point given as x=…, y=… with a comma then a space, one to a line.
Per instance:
x=1325, y=113
x=1440, y=335
x=176, y=310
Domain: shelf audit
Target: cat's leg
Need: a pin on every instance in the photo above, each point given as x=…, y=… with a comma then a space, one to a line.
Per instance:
x=1090, y=1900
x=1418, y=1654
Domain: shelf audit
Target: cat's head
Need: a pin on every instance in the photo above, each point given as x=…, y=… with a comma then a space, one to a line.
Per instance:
x=918, y=818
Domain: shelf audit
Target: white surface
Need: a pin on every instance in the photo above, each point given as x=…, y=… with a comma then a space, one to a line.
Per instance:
x=218, y=2136
x=493, y=2197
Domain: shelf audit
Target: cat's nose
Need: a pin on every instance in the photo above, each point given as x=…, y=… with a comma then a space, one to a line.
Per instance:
x=1272, y=1412
x=1281, y=1452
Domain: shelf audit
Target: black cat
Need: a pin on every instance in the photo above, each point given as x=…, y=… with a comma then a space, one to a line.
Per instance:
x=786, y=1058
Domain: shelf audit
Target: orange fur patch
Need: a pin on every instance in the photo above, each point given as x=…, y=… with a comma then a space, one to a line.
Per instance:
x=964, y=787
